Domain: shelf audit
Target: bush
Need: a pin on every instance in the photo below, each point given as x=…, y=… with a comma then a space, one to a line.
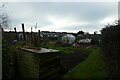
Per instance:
x=110, y=49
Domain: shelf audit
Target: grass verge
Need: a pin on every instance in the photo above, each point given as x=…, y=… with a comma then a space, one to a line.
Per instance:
x=92, y=67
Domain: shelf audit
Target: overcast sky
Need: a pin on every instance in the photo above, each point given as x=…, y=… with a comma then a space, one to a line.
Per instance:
x=62, y=16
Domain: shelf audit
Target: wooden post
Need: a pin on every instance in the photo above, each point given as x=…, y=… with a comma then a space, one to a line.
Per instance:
x=38, y=37
x=23, y=31
x=16, y=33
x=32, y=36
x=35, y=40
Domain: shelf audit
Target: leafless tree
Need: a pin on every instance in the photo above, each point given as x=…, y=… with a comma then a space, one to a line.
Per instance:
x=3, y=16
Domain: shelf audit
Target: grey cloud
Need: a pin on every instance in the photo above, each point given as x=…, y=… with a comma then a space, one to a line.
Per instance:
x=34, y=12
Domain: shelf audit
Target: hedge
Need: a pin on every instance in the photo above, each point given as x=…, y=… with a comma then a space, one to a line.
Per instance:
x=110, y=49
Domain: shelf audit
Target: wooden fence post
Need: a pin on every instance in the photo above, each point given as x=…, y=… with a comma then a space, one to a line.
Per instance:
x=38, y=37
x=32, y=37
x=23, y=31
x=16, y=33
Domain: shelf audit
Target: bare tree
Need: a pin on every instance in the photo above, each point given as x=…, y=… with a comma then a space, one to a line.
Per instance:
x=3, y=16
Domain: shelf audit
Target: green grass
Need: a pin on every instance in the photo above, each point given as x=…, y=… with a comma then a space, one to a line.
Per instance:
x=89, y=68
x=66, y=50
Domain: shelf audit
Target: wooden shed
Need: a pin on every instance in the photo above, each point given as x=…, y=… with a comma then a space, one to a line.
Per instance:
x=38, y=64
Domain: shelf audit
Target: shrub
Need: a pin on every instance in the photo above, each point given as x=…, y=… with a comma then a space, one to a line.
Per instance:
x=110, y=49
